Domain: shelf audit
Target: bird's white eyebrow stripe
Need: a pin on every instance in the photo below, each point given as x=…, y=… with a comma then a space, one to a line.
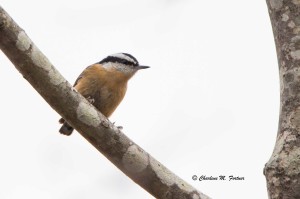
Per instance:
x=122, y=56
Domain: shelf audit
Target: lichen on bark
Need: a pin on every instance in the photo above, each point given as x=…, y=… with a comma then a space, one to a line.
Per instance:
x=282, y=170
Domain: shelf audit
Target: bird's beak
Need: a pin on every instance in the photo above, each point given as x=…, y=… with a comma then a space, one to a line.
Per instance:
x=142, y=67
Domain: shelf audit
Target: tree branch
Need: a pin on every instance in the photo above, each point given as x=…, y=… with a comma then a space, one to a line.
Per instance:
x=283, y=169
x=91, y=124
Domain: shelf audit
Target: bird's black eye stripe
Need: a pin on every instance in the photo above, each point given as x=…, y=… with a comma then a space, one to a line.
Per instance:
x=118, y=60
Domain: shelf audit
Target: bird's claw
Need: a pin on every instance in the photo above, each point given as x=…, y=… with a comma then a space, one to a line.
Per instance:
x=119, y=127
x=90, y=99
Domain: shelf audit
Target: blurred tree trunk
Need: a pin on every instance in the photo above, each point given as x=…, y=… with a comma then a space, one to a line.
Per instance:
x=283, y=169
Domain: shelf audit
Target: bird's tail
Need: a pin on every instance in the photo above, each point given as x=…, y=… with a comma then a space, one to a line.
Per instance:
x=65, y=129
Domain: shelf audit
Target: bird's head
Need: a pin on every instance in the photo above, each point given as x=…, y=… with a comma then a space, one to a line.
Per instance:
x=122, y=62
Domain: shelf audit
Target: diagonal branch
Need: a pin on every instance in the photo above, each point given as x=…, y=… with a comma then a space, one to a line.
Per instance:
x=91, y=124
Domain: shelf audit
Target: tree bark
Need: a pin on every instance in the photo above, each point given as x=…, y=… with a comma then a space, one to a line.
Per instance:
x=283, y=169
x=91, y=124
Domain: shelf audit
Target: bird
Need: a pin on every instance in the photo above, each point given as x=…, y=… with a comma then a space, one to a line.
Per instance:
x=104, y=84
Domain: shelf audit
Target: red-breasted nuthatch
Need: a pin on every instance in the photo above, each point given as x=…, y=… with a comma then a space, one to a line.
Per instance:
x=104, y=84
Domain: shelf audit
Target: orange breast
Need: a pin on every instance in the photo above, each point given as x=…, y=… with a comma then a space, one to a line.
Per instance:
x=106, y=88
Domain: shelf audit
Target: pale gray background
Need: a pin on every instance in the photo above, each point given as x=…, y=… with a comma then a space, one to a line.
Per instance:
x=209, y=104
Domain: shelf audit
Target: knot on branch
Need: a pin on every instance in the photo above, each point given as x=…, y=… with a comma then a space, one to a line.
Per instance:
x=3, y=20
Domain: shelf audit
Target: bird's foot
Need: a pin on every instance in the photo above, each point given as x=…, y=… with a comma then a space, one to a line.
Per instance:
x=90, y=99
x=119, y=127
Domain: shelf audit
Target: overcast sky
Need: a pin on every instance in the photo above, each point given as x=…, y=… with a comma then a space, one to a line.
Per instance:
x=208, y=105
